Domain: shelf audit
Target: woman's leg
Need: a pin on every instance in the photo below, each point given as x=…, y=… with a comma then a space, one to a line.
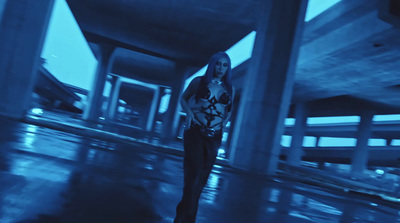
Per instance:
x=192, y=168
x=210, y=154
x=200, y=156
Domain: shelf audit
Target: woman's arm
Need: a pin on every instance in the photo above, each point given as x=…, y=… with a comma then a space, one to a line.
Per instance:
x=190, y=91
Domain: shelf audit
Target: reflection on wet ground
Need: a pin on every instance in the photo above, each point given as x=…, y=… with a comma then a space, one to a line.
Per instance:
x=53, y=176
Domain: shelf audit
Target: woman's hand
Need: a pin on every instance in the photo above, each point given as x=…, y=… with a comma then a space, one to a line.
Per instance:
x=189, y=119
x=187, y=94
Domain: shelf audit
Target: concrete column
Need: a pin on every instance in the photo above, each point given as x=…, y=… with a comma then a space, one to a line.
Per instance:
x=155, y=105
x=321, y=164
x=299, y=130
x=235, y=108
x=105, y=56
x=317, y=141
x=170, y=120
x=268, y=86
x=113, y=99
x=22, y=32
x=360, y=156
x=145, y=110
x=389, y=142
x=160, y=94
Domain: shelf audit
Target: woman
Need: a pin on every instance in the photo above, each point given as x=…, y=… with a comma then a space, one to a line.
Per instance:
x=207, y=102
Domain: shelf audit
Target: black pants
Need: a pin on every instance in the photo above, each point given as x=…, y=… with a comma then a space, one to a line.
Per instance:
x=200, y=154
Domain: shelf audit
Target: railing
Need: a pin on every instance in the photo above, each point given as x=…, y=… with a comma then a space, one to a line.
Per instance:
x=388, y=156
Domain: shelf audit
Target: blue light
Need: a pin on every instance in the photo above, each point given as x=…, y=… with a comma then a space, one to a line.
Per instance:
x=221, y=153
x=290, y=121
x=316, y=7
x=37, y=111
x=394, y=117
x=242, y=50
x=333, y=119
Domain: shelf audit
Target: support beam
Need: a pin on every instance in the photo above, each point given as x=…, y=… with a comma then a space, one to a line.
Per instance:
x=113, y=98
x=380, y=129
x=296, y=148
x=360, y=156
x=105, y=56
x=161, y=93
x=389, y=142
x=22, y=32
x=235, y=108
x=268, y=86
x=321, y=164
x=155, y=105
x=170, y=120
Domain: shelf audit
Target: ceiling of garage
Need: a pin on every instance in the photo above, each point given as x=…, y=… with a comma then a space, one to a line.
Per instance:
x=348, y=58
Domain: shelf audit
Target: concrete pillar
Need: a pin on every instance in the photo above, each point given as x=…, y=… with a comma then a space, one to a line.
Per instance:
x=170, y=115
x=360, y=155
x=22, y=32
x=321, y=164
x=317, y=141
x=268, y=86
x=160, y=94
x=105, y=57
x=113, y=98
x=235, y=108
x=145, y=110
x=389, y=142
x=299, y=130
x=155, y=105
x=170, y=120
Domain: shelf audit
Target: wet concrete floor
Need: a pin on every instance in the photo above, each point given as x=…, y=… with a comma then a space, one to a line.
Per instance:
x=53, y=176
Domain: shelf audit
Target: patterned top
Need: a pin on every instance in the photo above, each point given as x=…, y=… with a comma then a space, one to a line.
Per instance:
x=211, y=108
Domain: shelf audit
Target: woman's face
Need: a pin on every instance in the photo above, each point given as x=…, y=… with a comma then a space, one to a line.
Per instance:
x=221, y=66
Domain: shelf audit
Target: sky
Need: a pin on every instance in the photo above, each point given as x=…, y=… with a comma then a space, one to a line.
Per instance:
x=70, y=60
x=68, y=55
